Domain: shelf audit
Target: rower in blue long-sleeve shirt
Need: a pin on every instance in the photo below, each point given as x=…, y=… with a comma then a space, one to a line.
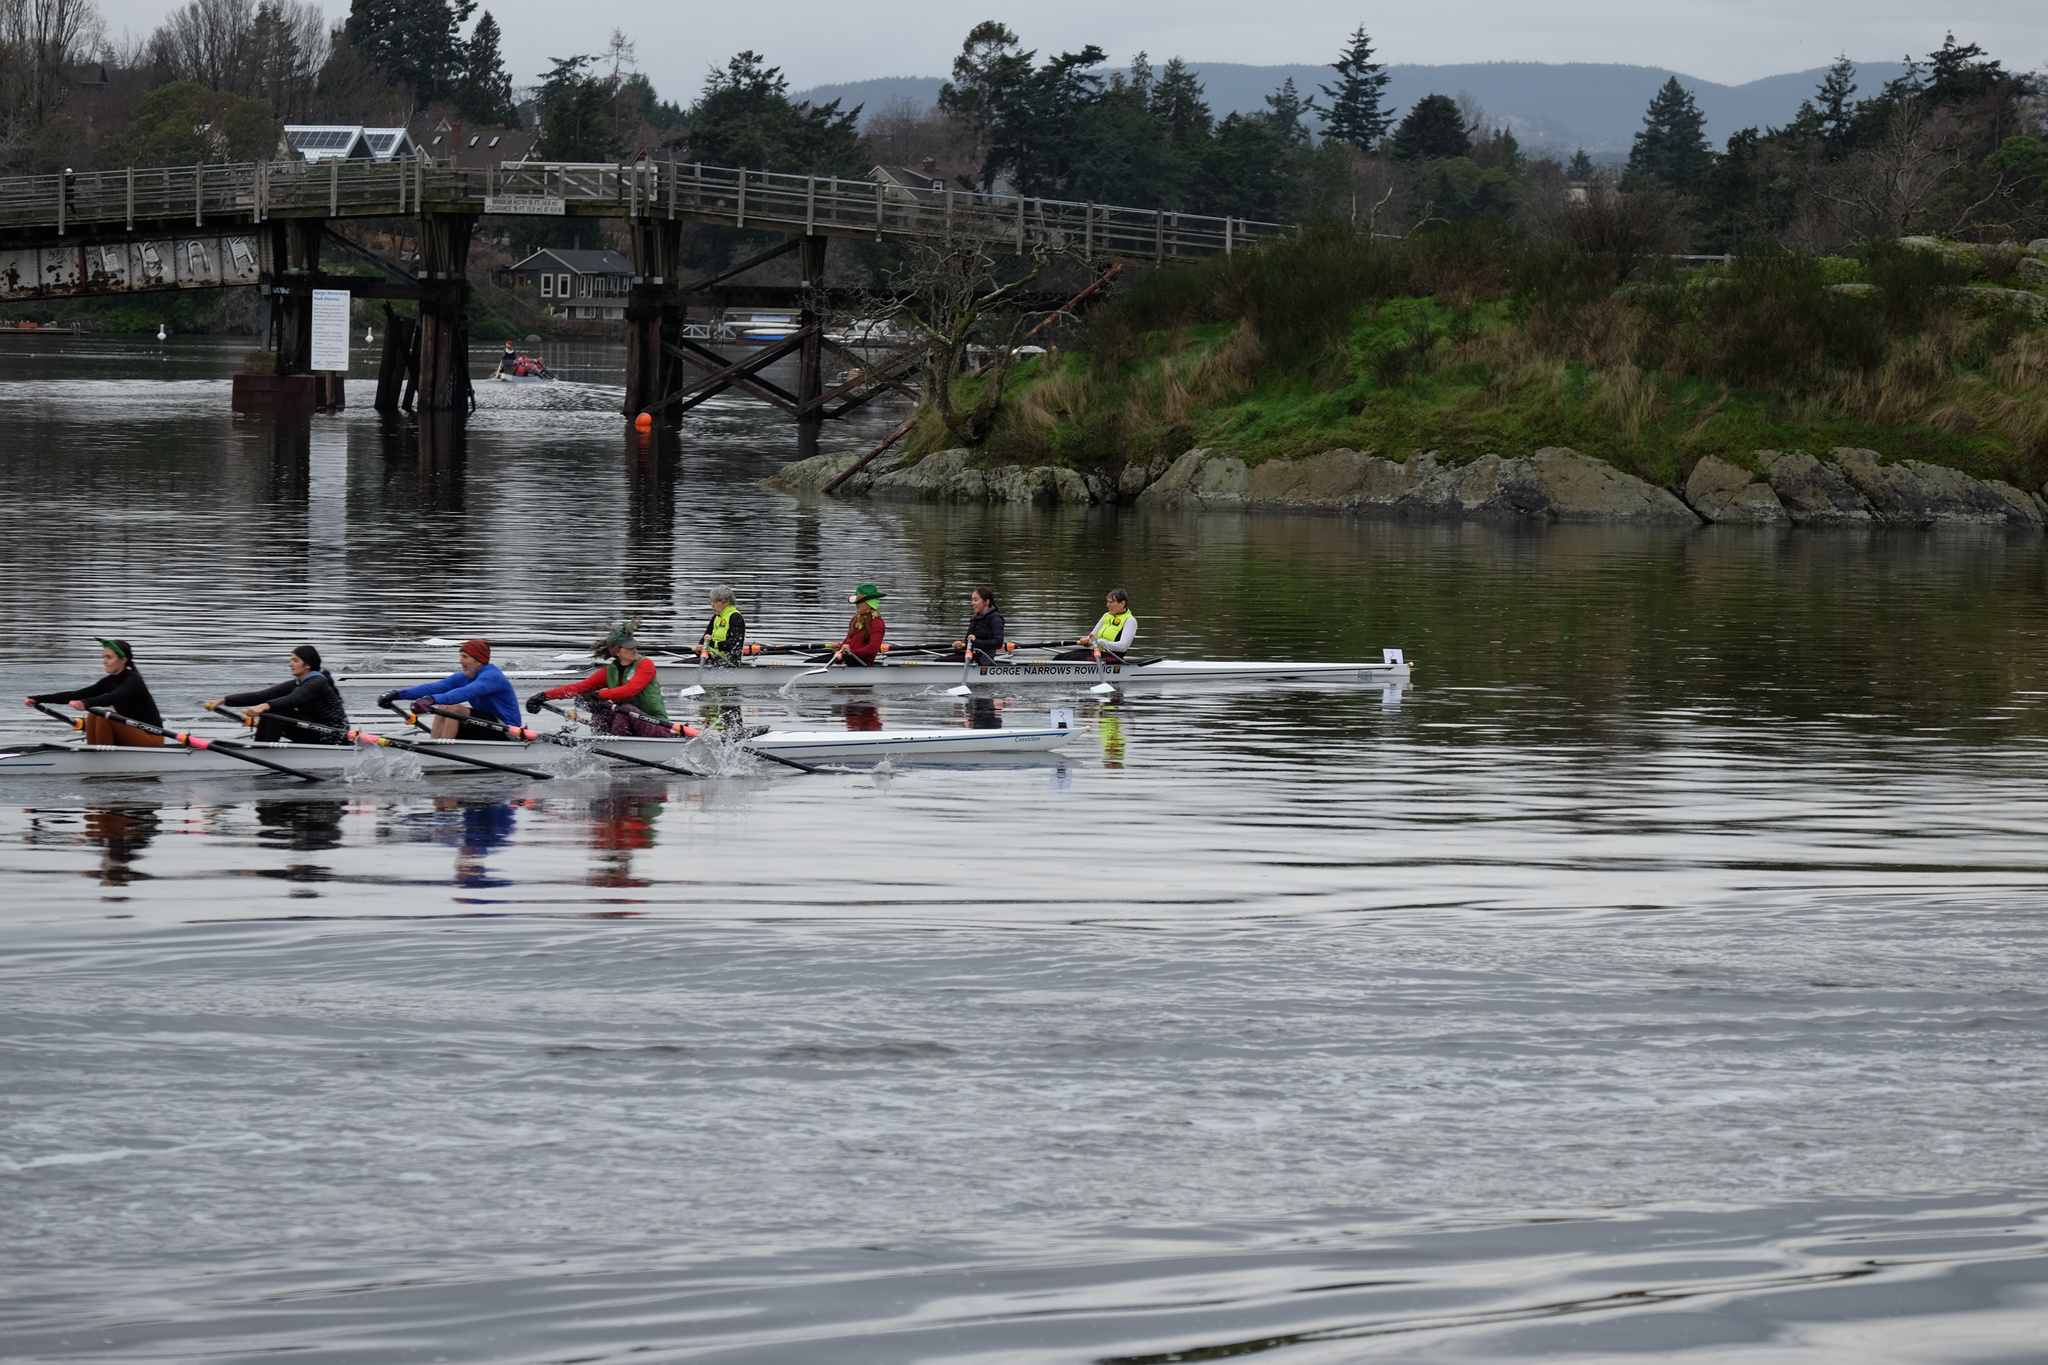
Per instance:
x=478, y=688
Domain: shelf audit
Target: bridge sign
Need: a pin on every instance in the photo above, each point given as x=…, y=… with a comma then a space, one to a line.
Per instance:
x=525, y=204
x=330, y=329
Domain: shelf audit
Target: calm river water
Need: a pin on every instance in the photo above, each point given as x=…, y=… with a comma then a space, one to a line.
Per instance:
x=1664, y=972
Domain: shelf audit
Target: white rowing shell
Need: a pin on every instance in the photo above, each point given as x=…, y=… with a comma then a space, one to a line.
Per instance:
x=31, y=758
x=766, y=673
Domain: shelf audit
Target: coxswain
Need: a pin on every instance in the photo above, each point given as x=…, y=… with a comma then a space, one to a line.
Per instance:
x=308, y=695
x=1114, y=634
x=120, y=690
x=477, y=687
x=984, y=627
x=725, y=634
x=625, y=696
x=865, y=632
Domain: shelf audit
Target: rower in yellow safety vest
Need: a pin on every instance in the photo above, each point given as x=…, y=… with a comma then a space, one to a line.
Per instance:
x=725, y=634
x=1114, y=633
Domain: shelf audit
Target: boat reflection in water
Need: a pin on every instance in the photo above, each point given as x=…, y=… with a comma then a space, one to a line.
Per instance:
x=474, y=829
x=123, y=834
x=621, y=826
x=303, y=827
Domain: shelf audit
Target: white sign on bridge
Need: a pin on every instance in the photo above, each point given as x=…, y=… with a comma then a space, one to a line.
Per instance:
x=525, y=203
x=330, y=329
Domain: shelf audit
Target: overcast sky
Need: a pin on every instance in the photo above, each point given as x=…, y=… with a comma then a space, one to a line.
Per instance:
x=813, y=41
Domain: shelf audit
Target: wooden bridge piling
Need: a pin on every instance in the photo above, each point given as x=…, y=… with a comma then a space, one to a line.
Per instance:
x=810, y=377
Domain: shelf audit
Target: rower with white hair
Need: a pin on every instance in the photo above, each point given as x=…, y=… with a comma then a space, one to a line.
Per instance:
x=1114, y=633
x=725, y=634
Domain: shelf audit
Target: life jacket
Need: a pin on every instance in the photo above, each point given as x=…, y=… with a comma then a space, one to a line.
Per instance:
x=721, y=625
x=1109, y=627
x=648, y=698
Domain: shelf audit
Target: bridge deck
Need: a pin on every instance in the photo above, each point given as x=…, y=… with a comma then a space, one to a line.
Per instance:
x=101, y=204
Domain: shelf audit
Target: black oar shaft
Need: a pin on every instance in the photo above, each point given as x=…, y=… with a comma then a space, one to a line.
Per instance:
x=228, y=747
x=384, y=741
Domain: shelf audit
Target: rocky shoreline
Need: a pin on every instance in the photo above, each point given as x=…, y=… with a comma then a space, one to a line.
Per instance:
x=1847, y=488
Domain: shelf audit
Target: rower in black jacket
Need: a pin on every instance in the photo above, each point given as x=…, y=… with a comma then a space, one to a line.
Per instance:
x=308, y=695
x=122, y=691
x=985, y=627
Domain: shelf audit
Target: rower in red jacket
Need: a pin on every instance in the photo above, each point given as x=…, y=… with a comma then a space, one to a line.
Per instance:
x=625, y=696
x=864, y=633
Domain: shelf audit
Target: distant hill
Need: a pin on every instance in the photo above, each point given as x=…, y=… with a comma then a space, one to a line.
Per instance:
x=1595, y=105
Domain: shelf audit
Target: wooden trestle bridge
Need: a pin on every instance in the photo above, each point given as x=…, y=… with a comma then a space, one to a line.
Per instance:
x=264, y=225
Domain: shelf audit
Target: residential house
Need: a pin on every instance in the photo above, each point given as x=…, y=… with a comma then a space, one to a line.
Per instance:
x=470, y=148
x=918, y=183
x=575, y=284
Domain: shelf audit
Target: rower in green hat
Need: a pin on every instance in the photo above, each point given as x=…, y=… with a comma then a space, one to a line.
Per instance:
x=864, y=633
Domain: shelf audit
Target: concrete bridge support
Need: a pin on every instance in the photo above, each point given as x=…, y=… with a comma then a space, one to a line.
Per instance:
x=654, y=320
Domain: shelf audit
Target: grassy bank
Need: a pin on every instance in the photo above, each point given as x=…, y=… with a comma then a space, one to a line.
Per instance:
x=1467, y=341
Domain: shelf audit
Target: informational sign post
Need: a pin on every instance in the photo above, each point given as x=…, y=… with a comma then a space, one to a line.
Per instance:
x=330, y=330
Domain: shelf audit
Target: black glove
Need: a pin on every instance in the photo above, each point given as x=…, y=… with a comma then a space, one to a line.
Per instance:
x=389, y=697
x=535, y=702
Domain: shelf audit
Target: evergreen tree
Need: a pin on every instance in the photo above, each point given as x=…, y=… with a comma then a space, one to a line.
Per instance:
x=1581, y=167
x=1141, y=77
x=484, y=94
x=1177, y=102
x=1432, y=131
x=1354, y=113
x=416, y=44
x=1284, y=108
x=1835, y=113
x=1670, y=149
x=745, y=118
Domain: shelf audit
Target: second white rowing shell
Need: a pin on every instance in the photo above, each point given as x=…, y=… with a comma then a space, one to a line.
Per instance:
x=913, y=673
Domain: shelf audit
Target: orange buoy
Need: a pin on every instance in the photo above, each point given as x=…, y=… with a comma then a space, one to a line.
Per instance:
x=644, y=422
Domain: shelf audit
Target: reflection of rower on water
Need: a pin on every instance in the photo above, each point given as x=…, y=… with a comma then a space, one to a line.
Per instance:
x=307, y=695
x=725, y=634
x=865, y=632
x=625, y=698
x=984, y=626
x=122, y=691
x=517, y=365
x=1114, y=634
x=478, y=686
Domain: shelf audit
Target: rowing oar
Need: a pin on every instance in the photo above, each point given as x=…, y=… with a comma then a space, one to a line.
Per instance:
x=966, y=667
x=75, y=722
x=385, y=741
x=225, y=746
x=522, y=732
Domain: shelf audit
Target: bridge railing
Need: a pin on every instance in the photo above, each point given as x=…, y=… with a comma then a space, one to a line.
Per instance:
x=764, y=199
